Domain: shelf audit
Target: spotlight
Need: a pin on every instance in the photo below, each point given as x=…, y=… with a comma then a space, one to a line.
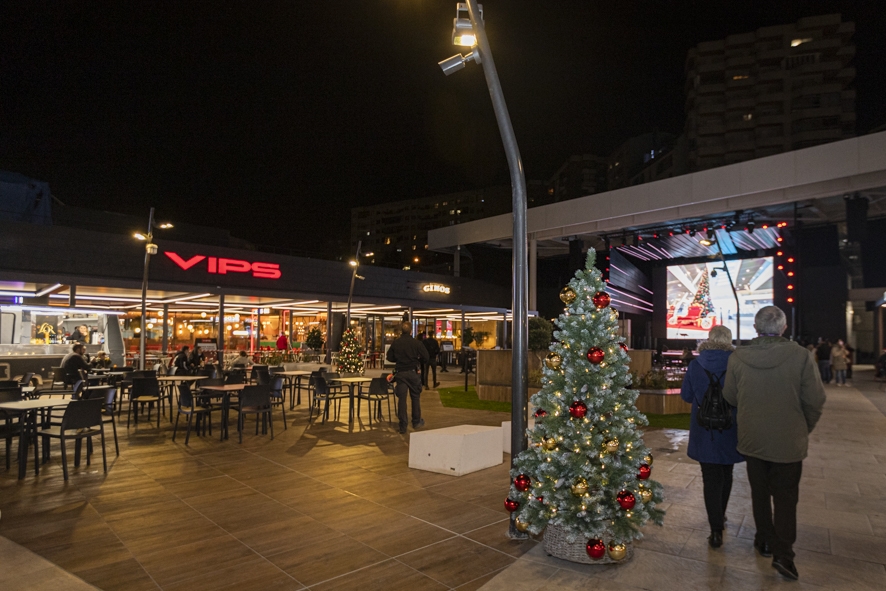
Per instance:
x=710, y=234
x=692, y=232
x=751, y=225
x=714, y=273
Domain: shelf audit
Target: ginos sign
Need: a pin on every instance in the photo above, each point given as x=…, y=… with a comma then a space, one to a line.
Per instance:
x=221, y=266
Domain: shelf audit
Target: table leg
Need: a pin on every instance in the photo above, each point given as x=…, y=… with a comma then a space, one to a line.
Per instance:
x=351, y=402
x=23, y=438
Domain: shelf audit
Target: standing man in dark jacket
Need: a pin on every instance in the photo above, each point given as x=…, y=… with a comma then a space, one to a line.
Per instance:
x=180, y=363
x=407, y=355
x=778, y=392
x=714, y=450
x=433, y=348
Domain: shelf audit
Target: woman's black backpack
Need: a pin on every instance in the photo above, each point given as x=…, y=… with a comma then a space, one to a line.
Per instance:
x=714, y=412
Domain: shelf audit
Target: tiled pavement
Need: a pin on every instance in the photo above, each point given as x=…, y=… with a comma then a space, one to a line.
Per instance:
x=325, y=507
x=841, y=518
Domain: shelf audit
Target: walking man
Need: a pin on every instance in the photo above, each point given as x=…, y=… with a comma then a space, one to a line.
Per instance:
x=774, y=384
x=407, y=355
x=823, y=353
x=433, y=348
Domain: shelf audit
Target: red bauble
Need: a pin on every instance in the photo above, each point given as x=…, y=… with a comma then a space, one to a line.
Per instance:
x=511, y=505
x=626, y=499
x=601, y=299
x=595, y=355
x=596, y=549
x=541, y=413
x=623, y=346
x=522, y=483
x=578, y=410
x=645, y=471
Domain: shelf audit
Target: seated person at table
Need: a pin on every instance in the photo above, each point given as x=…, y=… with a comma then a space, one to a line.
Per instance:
x=180, y=363
x=73, y=363
x=100, y=360
x=195, y=360
x=242, y=360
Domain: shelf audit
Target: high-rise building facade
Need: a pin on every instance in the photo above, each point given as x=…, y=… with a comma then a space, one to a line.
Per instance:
x=777, y=89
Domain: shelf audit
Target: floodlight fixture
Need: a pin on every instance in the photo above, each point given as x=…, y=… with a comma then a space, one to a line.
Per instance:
x=458, y=61
x=165, y=226
x=140, y=236
x=352, y=263
x=463, y=33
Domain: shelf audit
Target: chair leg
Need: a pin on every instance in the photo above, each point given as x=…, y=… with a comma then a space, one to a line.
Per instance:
x=116, y=443
x=104, y=453
x=175, y=426
x=64, y=457
x=188, y=434
x=78, y=451
x=271, y=423
x=283, y=409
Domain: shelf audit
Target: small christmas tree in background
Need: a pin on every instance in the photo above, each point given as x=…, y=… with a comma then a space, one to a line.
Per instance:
x=349, y=359
x=703, y=295
x=585, y=475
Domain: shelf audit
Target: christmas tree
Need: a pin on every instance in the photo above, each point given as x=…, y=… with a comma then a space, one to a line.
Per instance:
x=349, y=360
x=702, y=297
x=585, y=474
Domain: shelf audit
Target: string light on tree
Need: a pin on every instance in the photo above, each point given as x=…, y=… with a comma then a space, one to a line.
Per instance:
x=349, y=358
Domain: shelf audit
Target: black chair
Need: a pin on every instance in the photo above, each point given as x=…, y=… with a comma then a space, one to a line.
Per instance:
x=210, y=371
x=278, y=398
x=379, y=389
x=82, y=420
x=108, y=396
x=255, y=400
x=9, y=429
x=261, y=375
x=236, y=377
x=144, y=391
x=26, y=379
x=187, y=407
x=322, y=393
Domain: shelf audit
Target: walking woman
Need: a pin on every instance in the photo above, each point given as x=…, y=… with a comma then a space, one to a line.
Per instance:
x=714, y=450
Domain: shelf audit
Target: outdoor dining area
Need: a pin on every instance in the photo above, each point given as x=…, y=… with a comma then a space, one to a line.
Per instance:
x=95, y=405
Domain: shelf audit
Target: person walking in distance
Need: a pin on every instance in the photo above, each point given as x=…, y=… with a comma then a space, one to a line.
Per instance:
x=823, y=354
x=715, y=450
x=433, y=348
x=407, y=355
x=838, y=362
x=779, y=396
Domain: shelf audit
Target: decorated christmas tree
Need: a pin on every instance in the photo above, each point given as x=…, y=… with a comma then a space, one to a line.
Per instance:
x=703, y=294
x=349, y=360
x=584, y=478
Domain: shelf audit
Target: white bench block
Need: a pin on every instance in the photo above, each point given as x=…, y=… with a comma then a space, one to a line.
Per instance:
x=456, y=450
x=506, y=433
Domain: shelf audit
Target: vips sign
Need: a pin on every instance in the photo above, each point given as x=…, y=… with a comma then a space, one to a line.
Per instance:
x=223, y=266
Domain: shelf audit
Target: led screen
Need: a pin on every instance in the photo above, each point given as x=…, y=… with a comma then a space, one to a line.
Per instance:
x=700, y=296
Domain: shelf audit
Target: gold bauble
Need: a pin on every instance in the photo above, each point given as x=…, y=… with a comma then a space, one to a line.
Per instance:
x=580, y=488
x=549, y=443
x=617, y=551
x=521, y=525
x=612, y=445
x=553, y=360
x=567, y=295
x=647, y=459
x=645, y=495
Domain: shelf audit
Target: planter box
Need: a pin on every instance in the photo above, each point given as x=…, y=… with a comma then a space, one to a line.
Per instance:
x=494, y=373
x=662, y=402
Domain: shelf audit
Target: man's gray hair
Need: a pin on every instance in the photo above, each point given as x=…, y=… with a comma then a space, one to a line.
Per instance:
x=720, y=338
x=770, y=321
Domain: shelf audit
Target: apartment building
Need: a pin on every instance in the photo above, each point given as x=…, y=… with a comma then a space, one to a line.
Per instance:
x=776, y=89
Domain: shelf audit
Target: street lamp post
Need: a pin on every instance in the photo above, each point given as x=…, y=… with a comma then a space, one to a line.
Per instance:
x=356, y=265
x=150, y=249
x=473, y=33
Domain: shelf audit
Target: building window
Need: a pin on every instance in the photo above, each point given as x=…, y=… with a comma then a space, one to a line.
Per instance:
x=387, y=240
x=747, y=116
x=799, y=42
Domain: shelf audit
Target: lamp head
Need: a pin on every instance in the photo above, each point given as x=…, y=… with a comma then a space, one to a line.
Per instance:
x=151, y=248
x=140, y=236
x=352, y=263
x=463, y=33
x=165, y=226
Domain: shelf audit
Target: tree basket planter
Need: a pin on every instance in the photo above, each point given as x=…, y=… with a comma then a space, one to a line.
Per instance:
x=558, y=546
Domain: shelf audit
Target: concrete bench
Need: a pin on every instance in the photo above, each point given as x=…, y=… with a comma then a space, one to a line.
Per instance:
x=456, y=450
x=506, y=433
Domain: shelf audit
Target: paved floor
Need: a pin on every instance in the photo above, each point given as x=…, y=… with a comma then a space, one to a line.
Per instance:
x=327, y=507
x=841, y=515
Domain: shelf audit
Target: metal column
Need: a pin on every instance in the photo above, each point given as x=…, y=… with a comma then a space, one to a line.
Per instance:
x=165, y=345
x=533, y=274
x=220, y=339
x=328, y=332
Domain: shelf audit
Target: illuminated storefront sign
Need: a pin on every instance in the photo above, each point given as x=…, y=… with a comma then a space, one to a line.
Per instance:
x=223, y=266
x=436, y=288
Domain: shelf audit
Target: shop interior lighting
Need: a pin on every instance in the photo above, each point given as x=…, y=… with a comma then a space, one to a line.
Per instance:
x=61, y=311
x=47, y=290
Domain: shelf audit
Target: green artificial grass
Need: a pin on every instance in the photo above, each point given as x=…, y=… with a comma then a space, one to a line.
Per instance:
x=458, y=398
x=680, y=421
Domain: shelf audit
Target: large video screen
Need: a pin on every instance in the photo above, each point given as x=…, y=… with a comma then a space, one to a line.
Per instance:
x=700, y=296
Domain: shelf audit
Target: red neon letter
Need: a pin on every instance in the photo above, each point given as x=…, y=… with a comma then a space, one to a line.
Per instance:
x=233, y=265
x=212, y=268
x=266, y=270
x=184, y=264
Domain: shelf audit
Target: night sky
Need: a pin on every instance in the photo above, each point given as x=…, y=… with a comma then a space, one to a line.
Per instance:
x=273, y=119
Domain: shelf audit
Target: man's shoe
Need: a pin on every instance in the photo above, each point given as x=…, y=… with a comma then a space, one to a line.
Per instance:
x=763, y=549
x=786, y=568
x=402, y=431
x=419, y=425
x=436, y=384
x=715, y=539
